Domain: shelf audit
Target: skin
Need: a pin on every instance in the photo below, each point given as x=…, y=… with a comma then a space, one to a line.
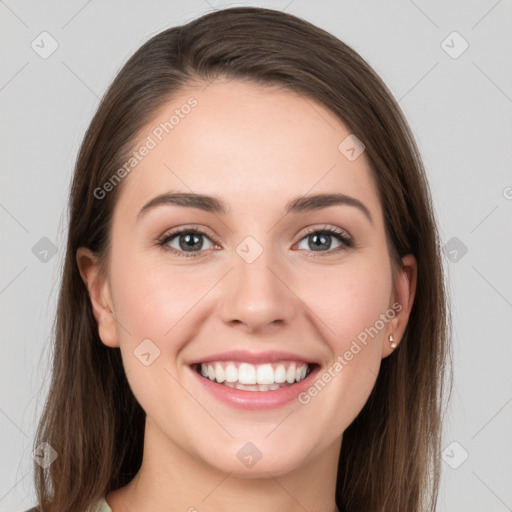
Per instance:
x=255, y=148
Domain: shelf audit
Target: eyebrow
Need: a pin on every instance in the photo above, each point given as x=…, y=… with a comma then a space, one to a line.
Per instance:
x=215, y=205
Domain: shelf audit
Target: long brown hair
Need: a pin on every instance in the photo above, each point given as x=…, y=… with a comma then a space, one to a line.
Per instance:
x=390, y=455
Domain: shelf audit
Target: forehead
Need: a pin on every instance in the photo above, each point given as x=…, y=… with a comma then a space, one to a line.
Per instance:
x=252, y=145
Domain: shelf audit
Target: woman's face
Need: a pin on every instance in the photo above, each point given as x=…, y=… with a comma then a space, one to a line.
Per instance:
x=261, y=290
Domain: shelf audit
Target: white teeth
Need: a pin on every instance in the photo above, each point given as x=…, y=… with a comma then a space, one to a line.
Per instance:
x=231, y=373
x=253, y=387
x=250, y=377
x=247, y=374
x=280, y=374
x=220, y=374
x=265, y=374
x=290, y=374
x=300, y=373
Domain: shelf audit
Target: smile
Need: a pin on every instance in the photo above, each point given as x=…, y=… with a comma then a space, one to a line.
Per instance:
x=249, y=377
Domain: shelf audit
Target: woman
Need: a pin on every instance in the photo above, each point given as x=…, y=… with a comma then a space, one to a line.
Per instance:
x=252, y=313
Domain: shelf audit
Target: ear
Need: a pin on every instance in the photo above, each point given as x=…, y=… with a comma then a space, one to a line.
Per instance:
x=99, y=292
x=402, y=300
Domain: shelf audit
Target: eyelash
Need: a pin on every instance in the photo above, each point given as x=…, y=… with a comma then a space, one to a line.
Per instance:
x=347, y=243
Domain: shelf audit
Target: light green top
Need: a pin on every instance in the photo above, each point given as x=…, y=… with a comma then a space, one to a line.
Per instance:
x=102, y=506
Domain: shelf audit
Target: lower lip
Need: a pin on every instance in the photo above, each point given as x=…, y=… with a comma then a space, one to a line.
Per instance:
x=256, y=400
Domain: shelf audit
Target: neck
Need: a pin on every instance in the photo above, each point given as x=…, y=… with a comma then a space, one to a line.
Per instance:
x=172, y=479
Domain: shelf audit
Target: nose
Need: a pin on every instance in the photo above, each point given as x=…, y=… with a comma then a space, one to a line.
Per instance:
x=256, y=296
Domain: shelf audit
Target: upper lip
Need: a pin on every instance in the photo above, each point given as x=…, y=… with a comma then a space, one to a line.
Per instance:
x=252, y=357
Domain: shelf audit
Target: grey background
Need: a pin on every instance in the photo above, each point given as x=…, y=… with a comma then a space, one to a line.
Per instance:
x=459, y=109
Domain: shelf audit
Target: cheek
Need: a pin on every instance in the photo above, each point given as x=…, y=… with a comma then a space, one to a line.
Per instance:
x=350, y=303
x=349, y=299
x=151, y=299
x=156, y=303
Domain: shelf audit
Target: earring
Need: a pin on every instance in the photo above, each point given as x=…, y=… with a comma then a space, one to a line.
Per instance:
x=392, y=341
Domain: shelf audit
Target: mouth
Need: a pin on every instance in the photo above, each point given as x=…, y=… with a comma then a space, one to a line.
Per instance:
x=264, y=377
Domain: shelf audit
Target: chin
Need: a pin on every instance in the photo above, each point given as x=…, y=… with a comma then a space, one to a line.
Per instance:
x=257, y=459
